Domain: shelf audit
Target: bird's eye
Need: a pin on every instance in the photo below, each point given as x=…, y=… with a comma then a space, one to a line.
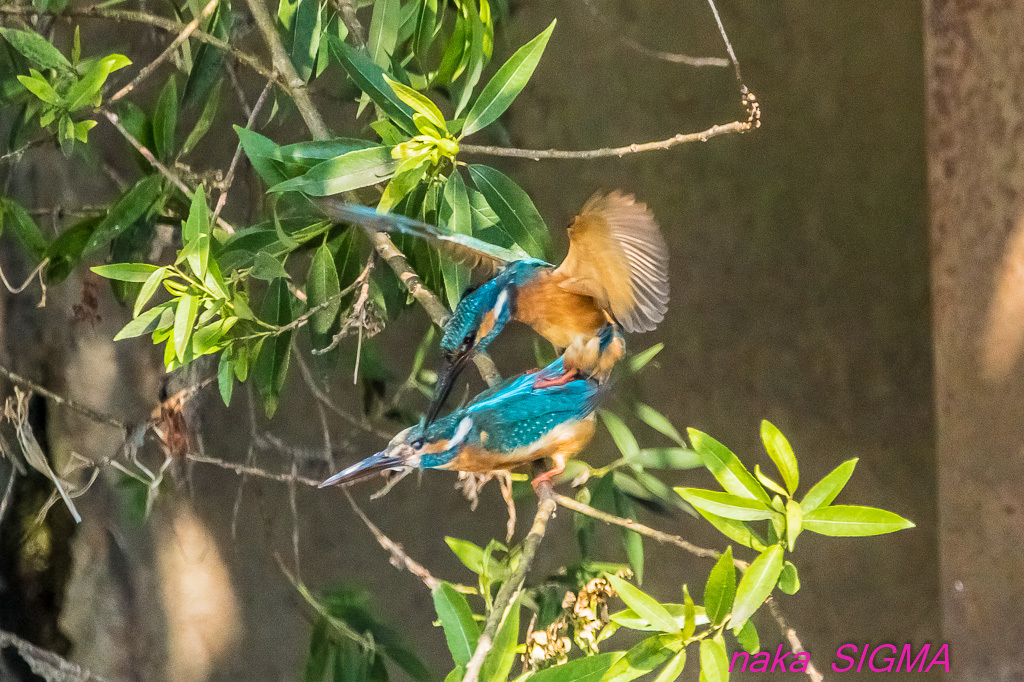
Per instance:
x=469, y=339
x=417, y=444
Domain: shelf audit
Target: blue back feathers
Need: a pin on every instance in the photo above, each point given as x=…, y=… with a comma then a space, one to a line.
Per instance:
x=469, y=314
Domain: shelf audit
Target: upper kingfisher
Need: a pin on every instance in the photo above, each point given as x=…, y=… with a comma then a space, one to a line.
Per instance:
x=616, y=271
x=502, y=428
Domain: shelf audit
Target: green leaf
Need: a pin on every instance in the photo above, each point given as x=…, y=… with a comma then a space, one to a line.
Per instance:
x=659, y=422
x=724, y=504
x=689, y=614
x=149, y=288
x=781, y=453
x=262, y=153
x=419, y=103
x=794, y=522
x=674, y=669
x=165, y=120
x=226, y=376
x=126, y=272
x=789, y=579
x=668, y=458
x=720, y=589
x=458, y=218
x=208, y=64
x=726, y=467
x=40, y=87
x=748, y=639
x=631, y=540
x=369, y=77
x=86, y=90
x=271, y=365
x=621, y=434
x=853, y=521
x=36, y=48
x=641, y=359
x=426, y=22
x=306, y=37
x=267, y=268
x=196, y=231
x=506, y=84
x=476, y=58
x=14, y=216
x=82, y=129
x=206, y=119
x=349, y=171
x=323, y=290
x=460, y=629
x=184, y=319
x=65, y=252
x=644, y=605
x=756, y=585
x=518, y=216
x=644, y=657
x=383, y=33
x=767, y=482
x=471, y=555
x=714, y=661
x=499, y=660
x=587, y=669
x=129, y=209
x=407, y=177
x=826, y=490
x=145, y=323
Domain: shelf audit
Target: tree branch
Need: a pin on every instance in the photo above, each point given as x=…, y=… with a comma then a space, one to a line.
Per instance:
x=794, y=641
x=546, y=506
x=675, y=140
x=164, y=24
x=166, y=54
x=92, y=414
x=283, y=64
x=45, y=663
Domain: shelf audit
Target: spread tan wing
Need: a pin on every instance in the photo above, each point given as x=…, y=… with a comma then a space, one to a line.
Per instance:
x=618, y=256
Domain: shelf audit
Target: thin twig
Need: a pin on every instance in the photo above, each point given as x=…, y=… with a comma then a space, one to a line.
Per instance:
x=92, y=414
x=169, y=25
x=230, y=177
x=546, y=506
x=241, y=469
x=398, y=556
x=670, y=57
x=794, y=641
x=664, y=538
x=28, y=280
x=45, y=663
x=538, y=154
x=725, y=39
x=426, y=298
x=166, y=54
x=7, y=493
x=164, y=170
x=323, y=398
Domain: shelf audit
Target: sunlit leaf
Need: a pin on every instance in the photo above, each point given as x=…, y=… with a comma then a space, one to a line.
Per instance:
x=781, y=453
x=720, y=589
x=343, y=173
x=853, y=521
x=727, y=505
x=460, y=629
x=726, y=467
x=644, y=605
x=826, y=490
x=126, y=272
x=587, y=669
x=714, y=661
x=789, y=579
x=756, y=585
x=506, y=84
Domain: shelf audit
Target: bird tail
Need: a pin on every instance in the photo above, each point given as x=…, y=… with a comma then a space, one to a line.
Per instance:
x=372, y=465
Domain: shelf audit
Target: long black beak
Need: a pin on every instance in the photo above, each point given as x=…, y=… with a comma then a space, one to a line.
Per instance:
x=446, y=381
x=370, y=466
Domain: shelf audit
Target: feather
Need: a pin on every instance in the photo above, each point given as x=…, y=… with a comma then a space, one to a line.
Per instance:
x=618, y=257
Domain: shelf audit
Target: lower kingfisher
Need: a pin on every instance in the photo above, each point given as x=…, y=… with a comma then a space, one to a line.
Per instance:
x=502, y=428
x=616, y=271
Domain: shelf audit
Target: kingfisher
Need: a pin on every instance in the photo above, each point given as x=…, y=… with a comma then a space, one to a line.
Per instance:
x=615, y=272
x=504, y=427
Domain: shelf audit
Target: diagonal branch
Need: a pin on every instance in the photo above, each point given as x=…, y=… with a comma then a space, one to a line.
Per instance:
x=546, y=506
x=46, y=663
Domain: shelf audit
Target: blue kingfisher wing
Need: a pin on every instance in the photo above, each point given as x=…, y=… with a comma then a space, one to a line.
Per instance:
x=462, y=247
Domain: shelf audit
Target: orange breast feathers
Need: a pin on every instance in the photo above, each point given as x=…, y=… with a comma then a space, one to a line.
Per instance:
x=559, y=315
x=563, y=441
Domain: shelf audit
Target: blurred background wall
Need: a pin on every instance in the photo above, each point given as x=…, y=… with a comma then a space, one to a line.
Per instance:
x=800, y=293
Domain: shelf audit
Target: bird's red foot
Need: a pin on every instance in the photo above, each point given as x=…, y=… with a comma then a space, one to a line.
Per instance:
x=557, y=380
x=546, y=477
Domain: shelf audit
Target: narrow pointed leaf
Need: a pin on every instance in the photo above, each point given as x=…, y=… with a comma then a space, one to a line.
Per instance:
x=826, y=490
x=726, y=467
x=587, y=669
x=184, y=318
x=518, y=216
x=729, y=506
x=460, y=629
x=36, y=48
x=720, y=589
x=781, y=453
x=323, y=291
x=126, y=272
x=644, y=605
x=349, y=171
x=756, y=585
x=369, y=77
x=506, y=84
x=271, y=365
x=853, y=521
